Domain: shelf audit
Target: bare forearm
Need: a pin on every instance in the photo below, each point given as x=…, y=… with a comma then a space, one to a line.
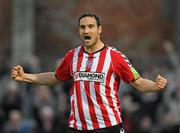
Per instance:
x=47, y=78
x=148, y=86
x=145, y=85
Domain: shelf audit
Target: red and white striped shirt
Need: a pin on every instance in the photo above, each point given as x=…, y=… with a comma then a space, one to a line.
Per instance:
x=94, y=96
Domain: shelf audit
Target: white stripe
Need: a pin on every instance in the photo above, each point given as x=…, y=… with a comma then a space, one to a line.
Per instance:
x=75, y=60
x=71, y=123
x=78, y=121
x=93, y=94
x=112, y=88
x=103, y=89
x=113, y=95
x=84, y=96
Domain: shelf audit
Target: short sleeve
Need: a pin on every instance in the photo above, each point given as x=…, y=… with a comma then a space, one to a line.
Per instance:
x=123, y=68
x=63, y=70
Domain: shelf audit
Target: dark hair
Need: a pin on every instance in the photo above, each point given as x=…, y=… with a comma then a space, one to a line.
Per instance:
x=88, y=14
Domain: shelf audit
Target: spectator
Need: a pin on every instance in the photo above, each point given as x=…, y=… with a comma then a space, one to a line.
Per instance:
x=11, y=100
x=47, y=123
x=16, y=124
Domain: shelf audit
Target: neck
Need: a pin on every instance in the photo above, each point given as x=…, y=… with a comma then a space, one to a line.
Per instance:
x=91, y=49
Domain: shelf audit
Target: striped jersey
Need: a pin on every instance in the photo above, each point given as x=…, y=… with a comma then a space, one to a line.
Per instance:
x=94, y=96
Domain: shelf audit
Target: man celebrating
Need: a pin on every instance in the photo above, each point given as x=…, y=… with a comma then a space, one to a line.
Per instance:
x=97, y=70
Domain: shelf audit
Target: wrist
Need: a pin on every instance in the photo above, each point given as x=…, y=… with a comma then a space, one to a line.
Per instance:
x=25, y=77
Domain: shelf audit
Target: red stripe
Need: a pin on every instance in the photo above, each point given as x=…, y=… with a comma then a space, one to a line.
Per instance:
x=116, y=89
x=73, y=115
x=71, y=66
x=78, y=92
x=97, y=88
x=108, y=94
x=90, y=102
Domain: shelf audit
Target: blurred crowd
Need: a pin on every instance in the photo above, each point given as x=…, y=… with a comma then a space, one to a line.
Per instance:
x=27, y=108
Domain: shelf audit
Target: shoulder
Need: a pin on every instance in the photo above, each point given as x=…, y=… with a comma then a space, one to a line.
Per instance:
x=71, y=52
x=116, y=53
x=118, y=56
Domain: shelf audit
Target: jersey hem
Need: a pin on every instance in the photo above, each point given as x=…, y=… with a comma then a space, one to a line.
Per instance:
x=91, y=129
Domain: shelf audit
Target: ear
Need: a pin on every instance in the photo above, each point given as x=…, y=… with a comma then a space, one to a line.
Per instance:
x=100, y=29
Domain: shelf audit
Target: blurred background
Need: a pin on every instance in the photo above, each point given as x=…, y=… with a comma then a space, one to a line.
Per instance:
x=38, y=33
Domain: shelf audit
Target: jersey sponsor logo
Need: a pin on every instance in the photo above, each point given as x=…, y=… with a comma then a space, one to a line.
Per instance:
x=89, y=76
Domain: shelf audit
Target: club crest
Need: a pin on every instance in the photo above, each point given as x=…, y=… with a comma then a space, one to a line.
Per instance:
x=89, y=63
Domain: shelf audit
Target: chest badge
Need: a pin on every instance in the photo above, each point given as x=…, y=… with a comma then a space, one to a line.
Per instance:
x=89, y=64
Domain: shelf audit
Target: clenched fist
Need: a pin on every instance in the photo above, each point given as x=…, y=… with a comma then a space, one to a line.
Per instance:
x=17, y=73
x=161, y=82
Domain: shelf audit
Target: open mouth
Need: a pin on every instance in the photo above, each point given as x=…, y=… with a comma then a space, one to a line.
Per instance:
x=87, y=37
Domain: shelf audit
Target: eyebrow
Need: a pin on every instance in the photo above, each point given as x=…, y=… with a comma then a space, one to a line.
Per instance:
x=83, y=25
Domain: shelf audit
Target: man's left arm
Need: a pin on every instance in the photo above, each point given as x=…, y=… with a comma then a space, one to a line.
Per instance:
x=146, y=85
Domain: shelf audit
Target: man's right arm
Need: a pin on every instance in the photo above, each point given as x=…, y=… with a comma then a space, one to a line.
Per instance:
x=46, y=78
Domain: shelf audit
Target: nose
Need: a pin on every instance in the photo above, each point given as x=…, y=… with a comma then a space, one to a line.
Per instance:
x=86, y=30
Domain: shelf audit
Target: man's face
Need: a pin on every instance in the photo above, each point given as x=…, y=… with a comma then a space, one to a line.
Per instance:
x=89, y=31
